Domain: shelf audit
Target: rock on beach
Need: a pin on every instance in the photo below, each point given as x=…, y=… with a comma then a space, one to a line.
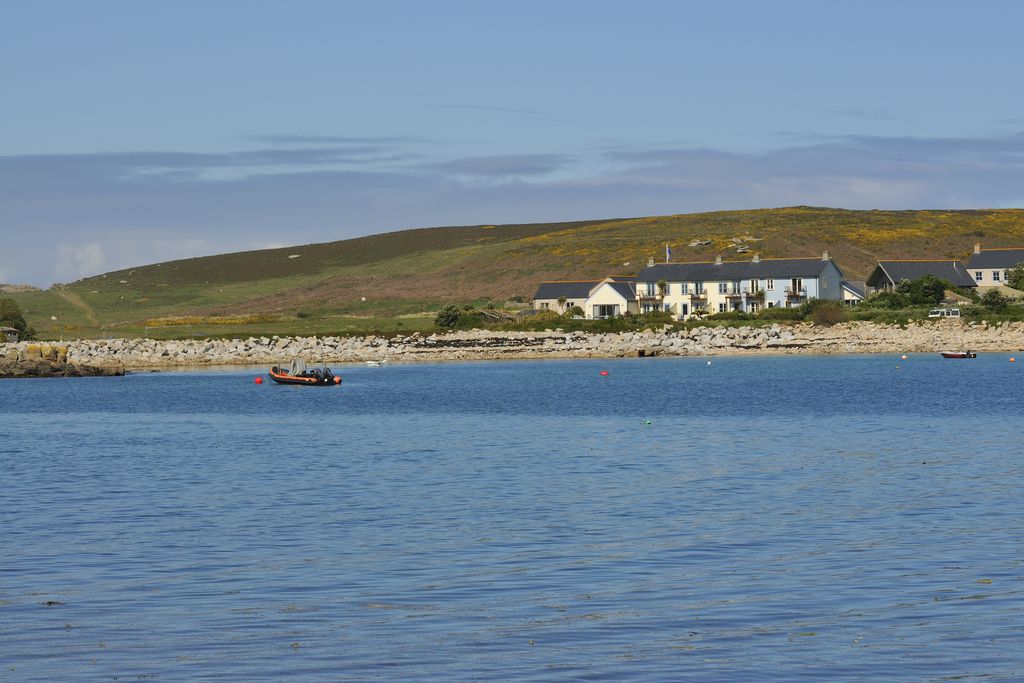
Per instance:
x=853, y=337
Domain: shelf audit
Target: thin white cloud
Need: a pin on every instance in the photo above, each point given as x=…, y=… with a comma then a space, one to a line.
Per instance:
x=116, y=216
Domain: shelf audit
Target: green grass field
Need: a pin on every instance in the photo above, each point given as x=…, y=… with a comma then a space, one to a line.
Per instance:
x=383, y=282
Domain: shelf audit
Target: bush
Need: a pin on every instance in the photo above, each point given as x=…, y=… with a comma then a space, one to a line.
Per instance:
x=730, y=315
x=779, y=313
x=890, y=300
x=574, y=311
x=448, y=316
x=1015, y=276
x=994, y=300
x=825, y=312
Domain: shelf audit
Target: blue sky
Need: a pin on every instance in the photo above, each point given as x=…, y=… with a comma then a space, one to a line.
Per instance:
x=134, y=132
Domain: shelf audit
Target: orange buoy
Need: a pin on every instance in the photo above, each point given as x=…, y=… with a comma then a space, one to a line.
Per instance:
x=1012, y=359
x=337, y=380
x=903, y=357
x=604, y=373
x=259, y=379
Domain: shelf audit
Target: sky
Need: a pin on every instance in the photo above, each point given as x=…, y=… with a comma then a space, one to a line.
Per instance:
x=134, y=132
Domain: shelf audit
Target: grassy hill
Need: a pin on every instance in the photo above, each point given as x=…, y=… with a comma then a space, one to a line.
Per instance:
x=395, y=280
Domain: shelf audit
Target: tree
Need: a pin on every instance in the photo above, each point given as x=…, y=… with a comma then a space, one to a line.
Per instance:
x=1015, y=276
x=662, y=287
x=927, y=290
x=10, y=315
x=561, y=302
x=995, y=301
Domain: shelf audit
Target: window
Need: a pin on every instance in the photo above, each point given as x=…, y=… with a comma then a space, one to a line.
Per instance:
x=737, y=286
x=995, y=276
x=771, y=304
x=769, y=285
x=723, y=287
x=824, y=283
x=753, y=287
x=668, y=308
x=721, y=308
x=650, y=289
x=978, y=276
x=698, y=287
x=685, y=288
x=685, y=310
x=668, y=288
x=545, y=306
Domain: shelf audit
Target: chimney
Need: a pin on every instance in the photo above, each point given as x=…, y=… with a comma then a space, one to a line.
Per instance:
x=977, y=247
x=718, y=260
x=756, y=259
x=650, y=263
x=824, y=255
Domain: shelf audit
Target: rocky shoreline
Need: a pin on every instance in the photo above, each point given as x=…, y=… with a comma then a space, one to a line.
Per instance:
x=49, y=360
x=846, y=338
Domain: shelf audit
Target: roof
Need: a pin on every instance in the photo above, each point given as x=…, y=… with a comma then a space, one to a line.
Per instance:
x=580, y=289
x=891, y=272
x=859, y=291
x=996, y=258
x=625, y=288
x=10, y=329
x=576, y=289
x=736, y=270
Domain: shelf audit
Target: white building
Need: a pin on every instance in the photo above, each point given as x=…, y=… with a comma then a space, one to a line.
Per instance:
x=607, y=298
x=988, y=266
x=688, y=289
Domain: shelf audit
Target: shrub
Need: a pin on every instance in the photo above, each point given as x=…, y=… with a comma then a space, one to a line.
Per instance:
x=779, y=313
x=994, y=300
x=574, y=311
x=448, y=316
x=730, y=315
x=890, y=300
x=1015, y=276
x=825, y=312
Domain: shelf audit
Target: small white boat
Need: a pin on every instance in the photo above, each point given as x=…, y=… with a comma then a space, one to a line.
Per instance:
x=376, y=363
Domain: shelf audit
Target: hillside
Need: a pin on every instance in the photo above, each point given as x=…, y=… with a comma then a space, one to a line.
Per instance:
x=394, y=280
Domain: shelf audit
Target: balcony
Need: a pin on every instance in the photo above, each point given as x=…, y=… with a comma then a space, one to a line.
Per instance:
x=650, y=296
x=741, y=293
x=702, y=294
x=796, y=292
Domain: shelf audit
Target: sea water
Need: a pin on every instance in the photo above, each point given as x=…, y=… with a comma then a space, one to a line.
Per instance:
x=761, y=518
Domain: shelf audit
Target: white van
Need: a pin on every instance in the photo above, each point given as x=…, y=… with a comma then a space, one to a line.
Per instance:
x=944, y=313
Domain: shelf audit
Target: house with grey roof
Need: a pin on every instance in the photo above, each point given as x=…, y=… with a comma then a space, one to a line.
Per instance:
x=853, y=292
x=607, y=298
x=9, y=334
x=888, y=274
x=988, y=266
x=689, y=289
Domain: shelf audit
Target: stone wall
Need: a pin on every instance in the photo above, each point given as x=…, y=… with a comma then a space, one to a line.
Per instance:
x=856, y=337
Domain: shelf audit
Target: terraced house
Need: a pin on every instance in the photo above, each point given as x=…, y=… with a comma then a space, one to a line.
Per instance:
x=988, y=266
x=692, y=289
